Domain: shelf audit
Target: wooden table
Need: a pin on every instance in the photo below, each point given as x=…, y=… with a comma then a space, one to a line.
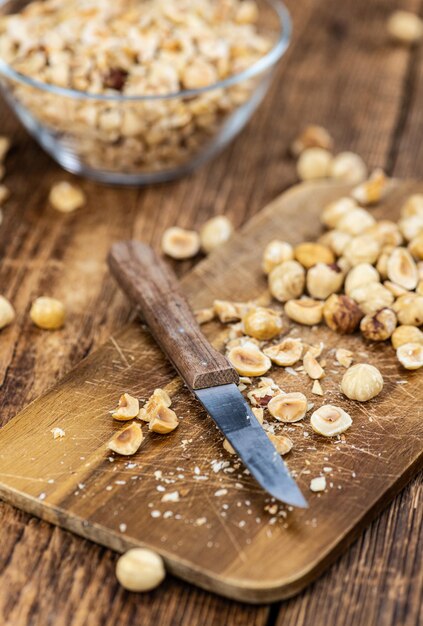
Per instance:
x=340, y=72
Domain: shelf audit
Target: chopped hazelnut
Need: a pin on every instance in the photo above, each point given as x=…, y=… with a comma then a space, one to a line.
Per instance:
x=66, y=197
x=311, y=137
x=128, y=408
x=215, y=232
x=127, y=441
x=372, y=190
x=344, y=357
x=282, y=444
x=405, y=27
x=312, y=367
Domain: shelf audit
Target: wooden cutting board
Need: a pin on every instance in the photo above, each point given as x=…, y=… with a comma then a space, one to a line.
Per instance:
x=224, y=533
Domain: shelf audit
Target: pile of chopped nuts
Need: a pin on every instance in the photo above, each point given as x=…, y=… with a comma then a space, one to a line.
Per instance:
x=148, y=48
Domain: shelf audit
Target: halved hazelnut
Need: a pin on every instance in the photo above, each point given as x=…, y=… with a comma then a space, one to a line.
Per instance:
x=282, y=444
x=406, y=334
x=330, y=420
x=402, y=269
x=128, y=408
x=275, y=253
x=127, y=441
x=285, y=353
x=159, y=399
x=342, y=314
x=379, y=326
x=179, y=243
x=312, y=367
x=163, y=421
x=310, y=253
x=395, y=289
x=410, y=355
x=305, y=311
x=249, y=360
x=288, y=407
x=262, y=323
x=286, y=281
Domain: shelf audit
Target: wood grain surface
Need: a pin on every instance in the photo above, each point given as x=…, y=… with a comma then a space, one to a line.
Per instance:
x=341, y=72
x=223, y=533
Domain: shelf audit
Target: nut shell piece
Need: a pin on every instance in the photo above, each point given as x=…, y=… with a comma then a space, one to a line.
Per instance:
x=305, y=311
x=282, y=444
x=128, y=408
x=127, y=441
x=286, y=281
x=215, y=232
x=410, y=355
x=179, y=243
x=262, y=323
x=288, y=407
x=342, y=314
x=379, y=326
x=362, y=382
x=330, y=420
x=140, y=569
x=286, y=353
x=249, y=360
x=7, y=312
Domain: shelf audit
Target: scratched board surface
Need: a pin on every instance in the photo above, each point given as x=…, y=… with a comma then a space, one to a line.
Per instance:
x=182, y=494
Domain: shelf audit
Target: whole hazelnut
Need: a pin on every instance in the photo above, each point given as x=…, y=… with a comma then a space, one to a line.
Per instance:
x=342, y=314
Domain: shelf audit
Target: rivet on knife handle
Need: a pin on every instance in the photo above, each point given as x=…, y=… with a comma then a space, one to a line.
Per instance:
x=153, y=289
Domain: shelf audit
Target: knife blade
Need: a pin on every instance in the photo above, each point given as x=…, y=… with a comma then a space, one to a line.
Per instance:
x=154, y=289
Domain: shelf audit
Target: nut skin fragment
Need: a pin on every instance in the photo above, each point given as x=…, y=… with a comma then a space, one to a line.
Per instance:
x=249, y=360
x=402, y=269
x=48, y=313
x=312, y=367
x=286, y=353
x=164, y=421
x=7, y=312
x=348, y=167
x=286, y=281
x=127, y=441
x=288, y=407
x=308, y=312
x=410, y=355
x=342, y=314
x=311, y=137
x=314, y=164
x=128, y=408
x=140, y=569
x=409, y=309
x=362, y=382
x=262, y=324
x=282, y=444
x=65, y=197
x=323, y=280
x=330, y=420
x=310, y=253
x=215, y=232
x=406, y=334
x=275, y=253
x=380, y=326
x=180, y=244
x=261, y=396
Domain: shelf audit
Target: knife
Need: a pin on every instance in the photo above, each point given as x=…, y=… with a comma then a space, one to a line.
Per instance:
x=154, y=289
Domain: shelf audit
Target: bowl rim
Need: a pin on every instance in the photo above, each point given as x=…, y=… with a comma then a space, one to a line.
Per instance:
x=264, y=63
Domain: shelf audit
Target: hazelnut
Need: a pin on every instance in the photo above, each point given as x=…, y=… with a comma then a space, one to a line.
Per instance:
x=413, y=206
x=163, y=421
x=249, y=360
x=215, y=232
x=317, y=388
x=355, y=222
x=335, y=211
x=48, y=313
x=286, y=353
x=203, y=316
x=361, y=274
x=311, y=137
x=386, y=232
x=159, y=399
x=247, y=12
x=258, y=413
x=362, y=382
x=409, y=309
x=313, y=164
x=330, y=420
x=336, y=240
x=261, y=396
x=262, y=324
x=180, y=244
x=410, y=355
x=342, y=314
x=287, y=280
x=312, y=367
x=405, y=27
x=275, y=253
x=282, y=444
x=395, y=289
x=7, y=312
x=305, y=311
x=288, y=407
x=127, y=441
x=379, y=326
x=324, y=280
x=66, y=198
x=230, y=311
x=128, y=408
x=406, y=334
x=411, y=227
x=416, y=247
x=372, y=297
x=402, y=269
x=140, y=569
x=348, y=167
x=362, y=249
x=310, y=253
x=344, y=357
x=372, y=190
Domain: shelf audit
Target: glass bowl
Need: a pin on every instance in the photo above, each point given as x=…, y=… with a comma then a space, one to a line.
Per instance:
x=137, y=140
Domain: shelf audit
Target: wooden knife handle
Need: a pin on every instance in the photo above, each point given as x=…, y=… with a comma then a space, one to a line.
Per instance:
x=153, y=287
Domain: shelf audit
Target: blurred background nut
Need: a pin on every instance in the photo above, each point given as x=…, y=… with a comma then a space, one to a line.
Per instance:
x=409, y=309
x=413, y=205
x=282, y=443
x=386, y=232
x=342, y=314
x=286, y=353
x=275, y=253
x=127, y=441
x=416, y=247
x=230, y=311
x=333, y=212
x=179, y=243
x=348, y=167
x=311, y=137
x=361, y=274
x=262, y=324
x=395, y=289
x=362, y=382
x=288, y=407
x=380, y=326
x=306, y=311
x=330, y=420
x=140, y=569
x=286, y=281
x=405, y=27
x=215, y=232
x=410, y=355
x=382, y=262
x=402, y=269
x=48, y=313
x=313, y=164
x=324, y=280
x=249, y=360
x=7, y=312
x=310, y=253
x=355, y=221
x=411, y=227
x=66, y=198
x=336, y=240
x=372, y=297
x=372, y=190
x=362, y=249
